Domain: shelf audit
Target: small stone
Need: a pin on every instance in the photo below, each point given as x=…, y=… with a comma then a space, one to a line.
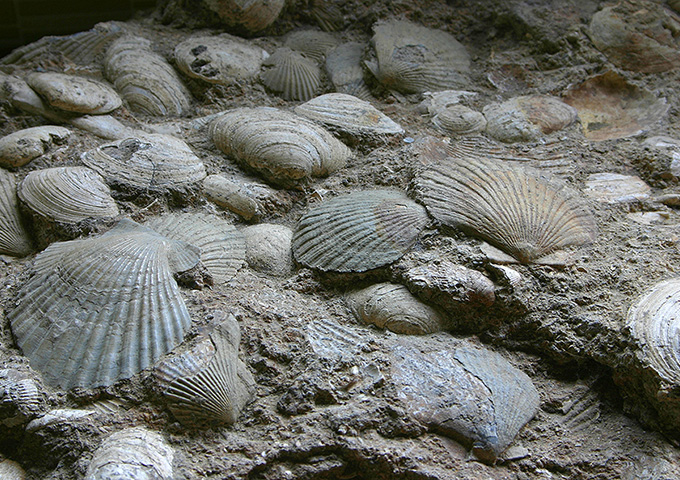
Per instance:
x=615, y=188
x=268, y=248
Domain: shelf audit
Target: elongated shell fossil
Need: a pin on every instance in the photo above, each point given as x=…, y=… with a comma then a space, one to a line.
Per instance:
x=22, y=146
x=521, y=214
x=345, y=70
x=359, y=231
x=14, y=239
x=311, y=43
x=415, y=59
x=144, y=79
x=102, y=309
x=282, y=146
x=246, y=16
x=291, y=75
x=74, y=93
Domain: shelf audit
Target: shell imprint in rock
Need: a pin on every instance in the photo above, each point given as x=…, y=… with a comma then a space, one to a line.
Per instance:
x=284, y=147
x=67, y=194
x=311, y=43
x=246, y=16
x=291, y=75
x=391, y=306
x=521, y=214
x=359, y=231
x=416, y=59
x=22, y=146
x=14, y=239
x=223, y=248
x=102, y=309
x=208, y=383
x=345, y=70
x=75, y=94
x=157, y=162
x=144, y=79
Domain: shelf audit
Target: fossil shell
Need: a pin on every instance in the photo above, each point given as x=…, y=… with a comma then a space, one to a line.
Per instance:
x=10, y=470
x=344, y=67
x=268, y=248
x=134, y=453
x=246, y=16
x=20, y=391
x=282, y=146
x=74, y=94
x=102, y=309
x=459, y=120
x=415, y=59
x=527, y=118
x=359, y=231
x=14, y=239
x=231, y=195
x=219, y=59
x=291, y=75
x=67, y=194
x=223, y=248
x=391, y=306
x=523, y=215
x=327, y=15
x=615, y=188
x=311, y=43
x=22, y=146
x=144, y=79
x=157, y=162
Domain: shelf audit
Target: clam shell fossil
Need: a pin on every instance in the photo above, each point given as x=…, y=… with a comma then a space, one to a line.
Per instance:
x=144, y=79
x=102, y=309
x=523, y=215
x=311, y=43
x=344, y=67
x=359, y=231
x=22, y=146
x=282, y=146
x=73, y=93
x=14, y=239
x=459, y=120
x=246, y=16
x=223, y=248
x=268, y=248
x=391, y=306
x=415, y=59
x=291, y=75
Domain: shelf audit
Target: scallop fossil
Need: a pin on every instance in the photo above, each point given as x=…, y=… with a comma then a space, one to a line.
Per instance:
x=223, y=248
x=246, y=16
x=22, y=146
x=524, y=215
x=345, y=70
x=391, y=306
x=311, y=43
x=282, y=146
x=73, y=93
x=415, y=59
x=14, y=239
x=144, y=79
x=102, y=309
x=359, y=231
x=291, y=75
x=459, y=120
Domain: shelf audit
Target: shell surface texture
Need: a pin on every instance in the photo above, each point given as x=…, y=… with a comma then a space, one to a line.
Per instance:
x=74, y=93
x=22, y=146
x=359, y=231
x=311, y=43
x=246, y=16
x=14, y=239
x=522, y=214
x=459, y=120
x=104, y=308
x=291, y=75
x=344, y=67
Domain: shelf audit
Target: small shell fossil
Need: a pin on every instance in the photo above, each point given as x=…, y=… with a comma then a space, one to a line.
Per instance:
x=11, y=470
x=522, y=214
x=104, y=308
x=359, y=231
x=291, y=75
x=73, y=93
x=22, y=146
x=246, y=16
x=459, y=120
x=268, y=248
x=20, y=391
x=311, y=43
x=14, y=239
x=231, y=195
x=282, y=146
x=345, y=70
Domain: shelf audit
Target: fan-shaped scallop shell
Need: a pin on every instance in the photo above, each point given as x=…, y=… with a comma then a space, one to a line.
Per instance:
x=415, y=59
x=359, y=231
x=391, y=306
x=223, y=248
x=327, y=15
x=311, y=43
x=157, y=162
x=22, y=146
x=67, y=194
x=14, y=239
x=291, y=75
x=459, y=120
x=284, y=147
x=144, y=79
x=524, y=215
x=73, y=93
x=102, y=309
x=345, y=70
x=246, y=16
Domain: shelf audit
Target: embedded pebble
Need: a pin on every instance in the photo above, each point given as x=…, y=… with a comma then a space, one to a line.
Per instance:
x=268, y=248
x=615, y=188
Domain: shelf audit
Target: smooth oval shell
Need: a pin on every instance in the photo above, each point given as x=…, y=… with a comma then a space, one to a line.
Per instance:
x=74, y=94
x=14, y=239
x=344, y=67
x=311, y=43
x=22, y=146
x=104, y=308
x=521, y=214
x=246, y=16
x=359, y=231
x=268, y=248
x=67, y=194
x=284, y=147
x=144, y=79
x=291, y=75
x=459, y=120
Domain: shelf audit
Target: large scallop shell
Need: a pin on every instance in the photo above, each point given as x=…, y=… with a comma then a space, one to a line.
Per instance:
x=223, y=248
x=282, y=146
x=102, y=309
x=73, y=93
x=144, y=79
x=359, y=231
x=291, y=75
x=311, y=43
x=22, y=146
x=415, y=59
x=522, y=214
x=345, y=70
x=14, y=239
x=246, y=16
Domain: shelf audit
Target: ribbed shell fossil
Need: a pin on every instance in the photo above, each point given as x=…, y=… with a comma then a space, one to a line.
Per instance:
x=282, y=146
x=246, y=16
x=522, y=214
x=311, y=43
x=14, y=239
x=415, y=59
x=359, y=231
x=291, y=75
x=345, y=70
x=391, y=306
x=459, y=120
x=67, y=194
x=73, y=93
x=102, y=309
x=223, y=248
x=144, y=79
x=157, y=162
x=22, y=146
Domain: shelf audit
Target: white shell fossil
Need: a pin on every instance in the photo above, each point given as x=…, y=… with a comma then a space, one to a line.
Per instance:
x=268, y=248
x=522, y=214
x=359, y=231
x=311, y=43
x=459, y=120
x=22, y=146
x=104, y=308
x=11, y=470
x=291, y=75
x=345, y=70
x=246, y=16
x=614, y=188
x=284, y=147
x=231, y=195
x=73, y=93
x=14, y=239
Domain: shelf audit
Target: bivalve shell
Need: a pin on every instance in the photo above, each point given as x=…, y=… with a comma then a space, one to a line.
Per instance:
x=246, y=16
x=74, y=94
x=459, y=120
x=311, y=43
x=22, y=146
x=344, y=67
x=14, y=239
x=268, y=248
x=291, y=75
